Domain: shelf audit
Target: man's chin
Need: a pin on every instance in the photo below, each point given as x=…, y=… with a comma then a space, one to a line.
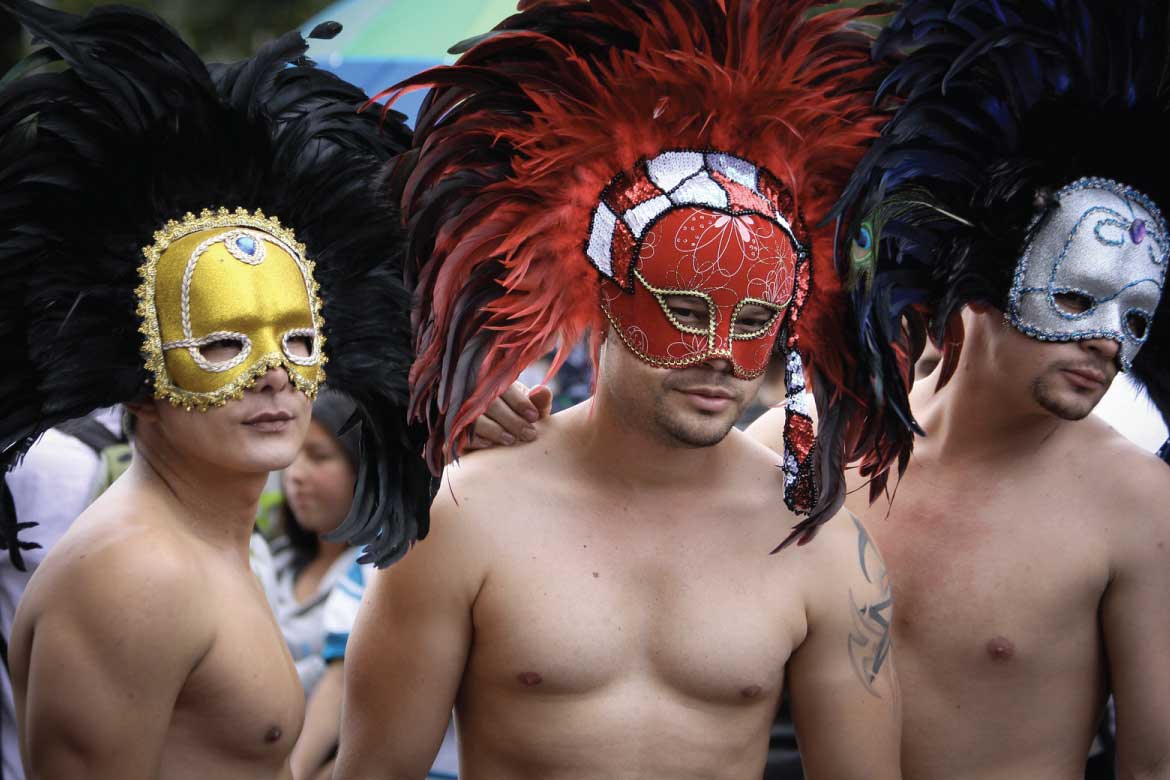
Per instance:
x=694, y=430
x=265, y=456
x=1069, y=409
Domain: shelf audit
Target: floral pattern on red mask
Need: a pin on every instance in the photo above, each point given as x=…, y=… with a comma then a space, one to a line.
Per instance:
x=707, y=285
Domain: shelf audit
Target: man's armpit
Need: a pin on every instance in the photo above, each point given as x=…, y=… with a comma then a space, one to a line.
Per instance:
x=871, y=611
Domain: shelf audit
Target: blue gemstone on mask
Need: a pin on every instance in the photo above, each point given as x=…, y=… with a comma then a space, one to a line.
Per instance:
x=247, y=244
x=1137, y=231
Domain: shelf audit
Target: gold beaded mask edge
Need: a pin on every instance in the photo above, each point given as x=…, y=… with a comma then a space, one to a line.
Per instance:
x=237, y=284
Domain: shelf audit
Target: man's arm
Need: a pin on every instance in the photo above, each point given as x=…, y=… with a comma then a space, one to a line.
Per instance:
x=845, y=700
x=404, y=662
x=322, y=726
x=1135, y=618
x=117, y=635
x=322, y=730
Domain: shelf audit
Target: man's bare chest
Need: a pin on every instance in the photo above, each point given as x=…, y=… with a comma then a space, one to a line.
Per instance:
x=577, y=613
x=244, y=699
x=1008, y=580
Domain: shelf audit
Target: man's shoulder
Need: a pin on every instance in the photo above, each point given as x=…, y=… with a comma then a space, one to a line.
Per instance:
x=768, y=429
x=843, y=558
x=114, y=596
x=837, y=545
x=749, y=446
x=122, y=561
x=751, y=483
x=1121, y=471
x=511, y=475
x=484, y=481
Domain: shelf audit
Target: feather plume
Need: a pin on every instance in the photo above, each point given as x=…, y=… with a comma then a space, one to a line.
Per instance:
x=516, y=142
x=135, y=130
x=996, y=101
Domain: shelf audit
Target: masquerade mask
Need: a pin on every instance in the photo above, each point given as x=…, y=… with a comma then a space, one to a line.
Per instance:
x=224, y=298
x=700, y=260
x=1094, y=269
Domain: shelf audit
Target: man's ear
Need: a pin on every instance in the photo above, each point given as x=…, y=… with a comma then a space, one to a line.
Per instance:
x=145, y=410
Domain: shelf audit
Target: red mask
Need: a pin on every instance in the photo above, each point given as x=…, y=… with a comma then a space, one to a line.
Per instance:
x=709, y=264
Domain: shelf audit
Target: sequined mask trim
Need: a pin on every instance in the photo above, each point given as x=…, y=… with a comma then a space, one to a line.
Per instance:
x=1106, y=245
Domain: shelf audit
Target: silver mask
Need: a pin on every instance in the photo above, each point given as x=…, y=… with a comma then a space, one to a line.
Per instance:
x=1106, y=245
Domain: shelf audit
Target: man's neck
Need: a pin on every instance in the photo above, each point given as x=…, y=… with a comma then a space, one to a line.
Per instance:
x=972, y=418
x=217, y=505
x=630, y=455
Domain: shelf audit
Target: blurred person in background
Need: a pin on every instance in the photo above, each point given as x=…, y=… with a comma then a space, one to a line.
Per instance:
x=59, y=476
x=313, y=756
x=318, y=492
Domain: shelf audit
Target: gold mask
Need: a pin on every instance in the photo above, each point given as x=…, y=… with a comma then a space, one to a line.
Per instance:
x=234, y=278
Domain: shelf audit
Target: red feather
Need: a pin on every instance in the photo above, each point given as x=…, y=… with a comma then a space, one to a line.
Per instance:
x=518, y=139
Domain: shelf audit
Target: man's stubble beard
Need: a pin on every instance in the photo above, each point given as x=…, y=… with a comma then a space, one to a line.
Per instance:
x=1050, y=400
x=677, y=432
x=676, y=429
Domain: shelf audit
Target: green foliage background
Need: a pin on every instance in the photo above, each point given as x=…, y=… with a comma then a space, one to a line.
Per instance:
x=220, y=30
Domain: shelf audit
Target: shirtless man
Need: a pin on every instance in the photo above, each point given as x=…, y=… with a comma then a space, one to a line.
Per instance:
x=1028, y=543
x=611, y=610
x=144, y=646
x=614, y=612
x=1017, y=616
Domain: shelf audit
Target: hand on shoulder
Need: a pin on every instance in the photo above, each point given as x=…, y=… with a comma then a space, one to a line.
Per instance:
x=510, y=418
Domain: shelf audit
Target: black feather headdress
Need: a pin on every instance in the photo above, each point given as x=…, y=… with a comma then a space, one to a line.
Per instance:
x=1000, y=103
x=135, y=130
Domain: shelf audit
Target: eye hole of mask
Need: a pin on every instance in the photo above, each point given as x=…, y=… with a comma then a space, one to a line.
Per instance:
x=221, y=350
x=689, y=311
x=1073, y=302
x=752, y=319
x=1137, y=324
x=299, y=345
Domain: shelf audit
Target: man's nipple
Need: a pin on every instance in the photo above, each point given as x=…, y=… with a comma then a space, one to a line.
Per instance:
x=1000, y=648
x=529, y=678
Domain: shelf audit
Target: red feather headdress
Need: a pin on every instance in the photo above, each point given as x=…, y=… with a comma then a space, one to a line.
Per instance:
x=517, y=141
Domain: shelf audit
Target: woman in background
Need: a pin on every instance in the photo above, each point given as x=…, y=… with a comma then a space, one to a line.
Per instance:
x=318, y=490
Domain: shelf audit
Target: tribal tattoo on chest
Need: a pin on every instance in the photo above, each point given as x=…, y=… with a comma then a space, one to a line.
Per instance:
x=869, y=639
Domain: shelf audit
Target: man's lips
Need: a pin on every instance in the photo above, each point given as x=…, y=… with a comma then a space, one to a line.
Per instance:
x=264, y=417
x=708, y=399
x=269, y=422
x=707, y=392
x=1086, y=378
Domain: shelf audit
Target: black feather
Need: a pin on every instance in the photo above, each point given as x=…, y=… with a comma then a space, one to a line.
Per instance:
x=998, y=101
x=136, y=130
